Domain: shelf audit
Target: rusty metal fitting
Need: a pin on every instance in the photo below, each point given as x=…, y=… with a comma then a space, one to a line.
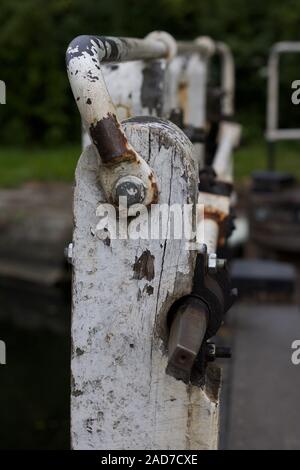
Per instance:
x=84, y=58
x=132, y=188
x=217, y=209
x=196, y=318
x=187, y=331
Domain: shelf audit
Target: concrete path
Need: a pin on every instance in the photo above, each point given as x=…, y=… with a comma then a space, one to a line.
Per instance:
x=264, y=385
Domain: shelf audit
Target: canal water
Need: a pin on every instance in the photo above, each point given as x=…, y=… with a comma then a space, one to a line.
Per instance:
x=35, y=382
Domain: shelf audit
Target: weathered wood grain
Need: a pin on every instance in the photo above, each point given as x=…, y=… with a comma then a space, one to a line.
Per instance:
x=122, y=291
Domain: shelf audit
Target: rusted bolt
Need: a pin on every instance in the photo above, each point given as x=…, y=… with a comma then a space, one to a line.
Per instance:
x=132, y=188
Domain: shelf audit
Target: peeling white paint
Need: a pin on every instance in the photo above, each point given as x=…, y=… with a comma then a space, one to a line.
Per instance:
x=121, y=395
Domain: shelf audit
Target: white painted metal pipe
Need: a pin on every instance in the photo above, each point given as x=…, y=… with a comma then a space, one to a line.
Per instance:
x=210, y=230
x=84, y=57
x=216, y=209
x=227, y=78
x=229, y=137
x=196, y=94
x=206, y=46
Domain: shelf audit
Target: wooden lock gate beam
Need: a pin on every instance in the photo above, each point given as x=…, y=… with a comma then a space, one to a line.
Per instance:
x=123, y=288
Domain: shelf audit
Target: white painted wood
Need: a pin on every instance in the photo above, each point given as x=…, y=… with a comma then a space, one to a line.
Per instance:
x=122, y=290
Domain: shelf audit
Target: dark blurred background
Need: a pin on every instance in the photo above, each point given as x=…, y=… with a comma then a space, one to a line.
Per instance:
x=34, y=35
x=40, y=145
x=40, y=112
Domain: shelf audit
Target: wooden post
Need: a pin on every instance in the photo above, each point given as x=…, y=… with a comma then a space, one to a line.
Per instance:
x=122, y=397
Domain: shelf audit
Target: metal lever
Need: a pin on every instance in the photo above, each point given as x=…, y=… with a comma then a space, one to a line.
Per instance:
x=197, y=318
x=123, y=170
x=187, y=332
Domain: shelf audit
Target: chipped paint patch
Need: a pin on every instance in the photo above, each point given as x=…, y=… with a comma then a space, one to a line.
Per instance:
x=144, y=266
x=153, y=87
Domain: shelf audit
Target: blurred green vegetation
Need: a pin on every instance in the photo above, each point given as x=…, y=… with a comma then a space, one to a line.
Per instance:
x=19, y=165
x=253, y=156
x=40, y=125
x=34, y=35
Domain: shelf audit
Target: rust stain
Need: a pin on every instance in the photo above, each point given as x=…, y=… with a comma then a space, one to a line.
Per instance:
x=213, y=382
x=220, y=218
x=110, y=141
x=183, y=97
x=108, y=337
x=212, y=213
x=154, y=188
x=144, y=266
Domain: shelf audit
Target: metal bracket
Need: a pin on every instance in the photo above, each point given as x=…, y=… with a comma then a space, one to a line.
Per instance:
x=196, y=318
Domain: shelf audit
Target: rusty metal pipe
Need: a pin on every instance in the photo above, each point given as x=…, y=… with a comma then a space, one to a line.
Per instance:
x=210, y=229
x=206, y=48
x=84, y=57
x=229, y=137
x=227, y=78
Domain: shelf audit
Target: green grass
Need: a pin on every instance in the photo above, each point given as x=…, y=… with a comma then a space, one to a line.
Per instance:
x=19, y=166
x=253, y=156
